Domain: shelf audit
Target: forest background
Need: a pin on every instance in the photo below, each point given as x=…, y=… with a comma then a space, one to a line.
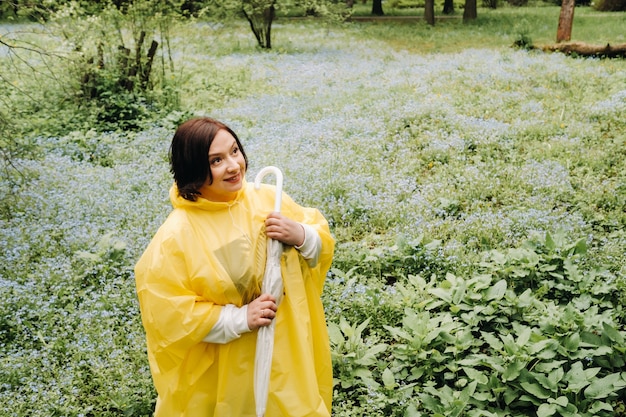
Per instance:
x=476, y=187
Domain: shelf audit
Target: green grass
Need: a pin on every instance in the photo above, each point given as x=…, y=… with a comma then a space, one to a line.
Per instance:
x=493, y=29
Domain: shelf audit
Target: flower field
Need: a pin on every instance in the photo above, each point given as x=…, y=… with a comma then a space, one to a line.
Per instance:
x=478, y=199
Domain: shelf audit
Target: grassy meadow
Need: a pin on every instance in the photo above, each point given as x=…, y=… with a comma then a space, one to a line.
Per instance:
x=477, y=193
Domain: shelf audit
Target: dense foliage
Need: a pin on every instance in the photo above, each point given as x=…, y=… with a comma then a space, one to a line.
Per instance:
x=110, y=71
x=478, y=198
x=530, y=333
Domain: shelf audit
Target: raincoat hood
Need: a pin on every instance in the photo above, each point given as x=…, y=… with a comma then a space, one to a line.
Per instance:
x=202, y=203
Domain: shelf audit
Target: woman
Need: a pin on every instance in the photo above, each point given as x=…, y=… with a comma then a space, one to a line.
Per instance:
x=199, y=281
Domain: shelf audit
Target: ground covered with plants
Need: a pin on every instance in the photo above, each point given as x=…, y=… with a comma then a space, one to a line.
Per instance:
x=478, y=198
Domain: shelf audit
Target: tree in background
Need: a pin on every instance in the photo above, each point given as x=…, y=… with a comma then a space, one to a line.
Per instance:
x=566, y=19
x=377, y=8
x=448, y=7
x=429, y=12
x=260, y=14
x=470, y=12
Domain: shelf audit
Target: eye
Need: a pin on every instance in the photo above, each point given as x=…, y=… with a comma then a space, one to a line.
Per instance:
x=235, y=150
x=215, y=161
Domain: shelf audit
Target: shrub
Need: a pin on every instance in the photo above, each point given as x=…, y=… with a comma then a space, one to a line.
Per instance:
x=389, y=264
x=117, y=64
x=498, y=343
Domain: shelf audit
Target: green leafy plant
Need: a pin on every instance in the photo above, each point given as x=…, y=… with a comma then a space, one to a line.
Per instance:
x=357, y=370
x=493, y=344
x=395, y=262
x=118, y=65
x=353, y=356
x=551, y=266
x=484, y=343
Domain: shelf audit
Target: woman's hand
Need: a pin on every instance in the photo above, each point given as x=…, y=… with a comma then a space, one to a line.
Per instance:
x=261, y=311
x=281, y=228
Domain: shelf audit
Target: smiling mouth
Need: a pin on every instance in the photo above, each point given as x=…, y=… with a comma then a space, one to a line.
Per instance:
x=236, y=178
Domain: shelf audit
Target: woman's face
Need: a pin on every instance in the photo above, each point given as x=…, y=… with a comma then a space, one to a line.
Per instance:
x=228, y=168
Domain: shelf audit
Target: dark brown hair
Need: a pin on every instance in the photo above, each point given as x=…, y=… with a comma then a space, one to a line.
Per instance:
x=189, y=154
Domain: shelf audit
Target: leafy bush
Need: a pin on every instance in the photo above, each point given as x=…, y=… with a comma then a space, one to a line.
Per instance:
x=28, y=9
x=117, y=52
x=110, y=71
x=45, y=10
x=498, y=343
x=393, y=263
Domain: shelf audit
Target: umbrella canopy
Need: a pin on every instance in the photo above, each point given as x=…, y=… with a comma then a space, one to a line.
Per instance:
x=272, y=284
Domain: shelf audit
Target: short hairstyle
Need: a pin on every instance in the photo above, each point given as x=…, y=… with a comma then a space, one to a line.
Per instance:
x=189, y=154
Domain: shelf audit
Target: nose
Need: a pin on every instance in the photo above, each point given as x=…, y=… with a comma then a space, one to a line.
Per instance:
x=232, y=165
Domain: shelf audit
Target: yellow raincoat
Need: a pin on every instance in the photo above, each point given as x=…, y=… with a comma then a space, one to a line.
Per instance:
x=209, y=254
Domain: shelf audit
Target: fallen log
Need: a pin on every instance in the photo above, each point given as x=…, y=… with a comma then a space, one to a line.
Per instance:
x=585, y=49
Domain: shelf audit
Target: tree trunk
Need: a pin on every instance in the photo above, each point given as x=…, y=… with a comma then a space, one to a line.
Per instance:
x=269, y=16
x=470, y=12
x=429, y=12
x=566, y=19
x=448, y=7
x=147, y=69
x=260, y=15
x=377, y=8
x=492, y=4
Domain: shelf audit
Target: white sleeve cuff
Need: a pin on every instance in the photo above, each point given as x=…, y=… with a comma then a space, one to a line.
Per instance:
x=231, y=324
x=312, y=245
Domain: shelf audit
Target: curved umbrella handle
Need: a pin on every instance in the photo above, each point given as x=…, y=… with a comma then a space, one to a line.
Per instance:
x=279, y=183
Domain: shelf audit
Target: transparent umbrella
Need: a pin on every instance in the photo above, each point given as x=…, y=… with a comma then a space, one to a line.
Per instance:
x=272, y=284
